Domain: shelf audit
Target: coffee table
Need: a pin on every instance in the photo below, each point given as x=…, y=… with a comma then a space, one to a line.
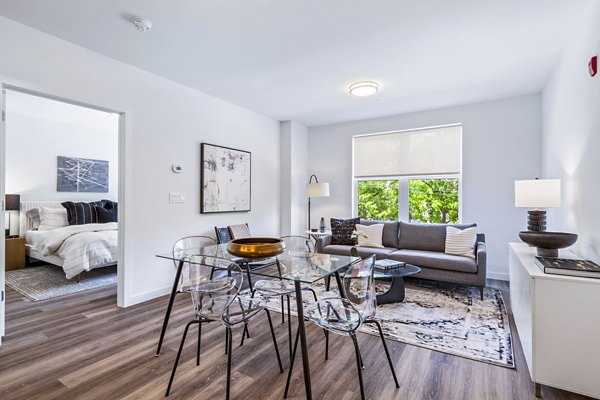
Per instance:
x=396, y=292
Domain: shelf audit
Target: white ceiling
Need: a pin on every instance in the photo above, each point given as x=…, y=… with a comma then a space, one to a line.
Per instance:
x=294, y=59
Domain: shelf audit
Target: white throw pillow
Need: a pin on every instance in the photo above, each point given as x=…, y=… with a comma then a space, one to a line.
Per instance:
x=369, y=236
x=52, y=218
x=461, y=242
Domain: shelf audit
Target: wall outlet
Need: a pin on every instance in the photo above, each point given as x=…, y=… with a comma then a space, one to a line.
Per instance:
x=176, y=197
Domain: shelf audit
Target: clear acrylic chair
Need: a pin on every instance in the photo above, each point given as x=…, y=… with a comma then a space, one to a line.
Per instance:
x=189, y=244
x=295, y=246
x=214, y=284
x=344, y=316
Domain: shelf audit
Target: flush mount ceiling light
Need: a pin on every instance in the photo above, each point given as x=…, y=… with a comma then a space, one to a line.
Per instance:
x=364, y=88
x=142, y=24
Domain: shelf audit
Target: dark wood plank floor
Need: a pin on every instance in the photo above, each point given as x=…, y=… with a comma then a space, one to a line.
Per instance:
x=85, y=347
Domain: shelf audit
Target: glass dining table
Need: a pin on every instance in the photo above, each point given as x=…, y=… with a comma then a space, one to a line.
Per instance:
x=300, y=268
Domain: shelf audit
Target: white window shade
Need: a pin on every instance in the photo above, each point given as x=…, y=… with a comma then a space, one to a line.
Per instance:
x=435, y=151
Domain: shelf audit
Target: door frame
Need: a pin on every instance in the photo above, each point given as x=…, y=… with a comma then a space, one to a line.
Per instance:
x=124, y=172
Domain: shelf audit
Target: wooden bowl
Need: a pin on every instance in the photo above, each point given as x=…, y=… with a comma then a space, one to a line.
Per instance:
x=256, y=247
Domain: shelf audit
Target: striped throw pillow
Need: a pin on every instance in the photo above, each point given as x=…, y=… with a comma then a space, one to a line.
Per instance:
x=82, y=213
x=369, y=236
x=461, y=242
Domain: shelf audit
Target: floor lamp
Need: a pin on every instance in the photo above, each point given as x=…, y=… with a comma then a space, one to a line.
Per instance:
x=315, y=189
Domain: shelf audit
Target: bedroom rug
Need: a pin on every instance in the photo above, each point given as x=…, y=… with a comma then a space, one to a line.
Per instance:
x=442, y=317
x=48, y=281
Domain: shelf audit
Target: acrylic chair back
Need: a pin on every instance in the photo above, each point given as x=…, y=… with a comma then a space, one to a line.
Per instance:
x=185, y=247
x=360, y=287
x=214, y=284
x=298, y=246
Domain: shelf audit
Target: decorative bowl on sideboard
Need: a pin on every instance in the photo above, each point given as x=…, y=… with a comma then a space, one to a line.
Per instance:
x=548, y=243
x=256, y=247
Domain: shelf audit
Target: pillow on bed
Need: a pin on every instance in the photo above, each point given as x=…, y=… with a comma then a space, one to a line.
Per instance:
x=82, y=213
x=105, y=216
x=52, y=218
x=109, y=204
x=34, y=217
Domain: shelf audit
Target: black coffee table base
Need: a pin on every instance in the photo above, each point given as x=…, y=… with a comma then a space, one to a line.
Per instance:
x=395, y=294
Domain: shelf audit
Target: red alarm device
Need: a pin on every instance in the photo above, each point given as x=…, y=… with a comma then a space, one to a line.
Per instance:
x=593, y=65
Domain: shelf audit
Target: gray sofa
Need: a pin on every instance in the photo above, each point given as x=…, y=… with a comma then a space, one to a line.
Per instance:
x=422, y=245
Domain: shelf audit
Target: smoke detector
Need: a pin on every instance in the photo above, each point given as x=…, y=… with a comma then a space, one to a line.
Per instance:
x=142, y=24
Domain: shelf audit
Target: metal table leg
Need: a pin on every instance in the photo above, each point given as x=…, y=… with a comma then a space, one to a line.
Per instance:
x=338, y=279
x=395, y=294
x=169, y=306
x=303, y=346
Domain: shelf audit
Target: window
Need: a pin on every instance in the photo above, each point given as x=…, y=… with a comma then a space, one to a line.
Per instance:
x=410, y=175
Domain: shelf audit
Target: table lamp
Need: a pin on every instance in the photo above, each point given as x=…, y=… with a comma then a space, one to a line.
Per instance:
x=315, y=189
x=12, y=202
x=537, y=194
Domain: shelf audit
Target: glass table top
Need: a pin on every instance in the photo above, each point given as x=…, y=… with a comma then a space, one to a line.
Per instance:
x=397, y=272
x=295, y=266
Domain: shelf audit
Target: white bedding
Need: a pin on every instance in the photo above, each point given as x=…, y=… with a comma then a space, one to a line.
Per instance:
x=82, y=247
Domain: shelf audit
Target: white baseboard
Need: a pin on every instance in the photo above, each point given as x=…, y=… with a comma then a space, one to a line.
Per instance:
x=500, y=276
x=149, y=295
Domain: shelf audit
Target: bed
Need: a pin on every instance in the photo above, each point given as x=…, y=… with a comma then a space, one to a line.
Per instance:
x=75, y=248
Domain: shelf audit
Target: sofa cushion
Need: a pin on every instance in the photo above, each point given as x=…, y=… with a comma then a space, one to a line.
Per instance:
x=341, y=231
x=363, y=252
x=390, y=231
x=432, y=259
x=428, y=237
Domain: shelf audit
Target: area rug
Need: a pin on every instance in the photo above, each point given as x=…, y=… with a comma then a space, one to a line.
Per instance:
x=442, y=317
x=49, y=281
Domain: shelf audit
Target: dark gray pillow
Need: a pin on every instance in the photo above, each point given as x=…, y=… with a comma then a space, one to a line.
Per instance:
x=82, y=213
x=341, y=231
x=104, y=216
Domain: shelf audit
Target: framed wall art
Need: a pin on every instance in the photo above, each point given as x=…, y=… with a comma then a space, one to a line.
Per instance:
x=225, y=179
x=75, y=174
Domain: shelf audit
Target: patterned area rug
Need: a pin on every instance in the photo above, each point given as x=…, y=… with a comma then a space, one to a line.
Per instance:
x=442, y=317
x=49, y=281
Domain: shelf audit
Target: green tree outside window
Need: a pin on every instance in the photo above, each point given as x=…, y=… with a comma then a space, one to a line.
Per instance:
x=378, y=200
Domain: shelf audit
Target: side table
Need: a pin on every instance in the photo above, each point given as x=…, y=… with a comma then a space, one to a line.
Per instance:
x=15, y=253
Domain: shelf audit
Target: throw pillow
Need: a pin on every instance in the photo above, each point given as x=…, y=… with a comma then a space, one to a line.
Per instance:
x=369, y=236
x=52, y=218
x=104, y=216
x=461, y=242
x=109, y=204
x=341, y=231
x=34, y=218
x=82, y=213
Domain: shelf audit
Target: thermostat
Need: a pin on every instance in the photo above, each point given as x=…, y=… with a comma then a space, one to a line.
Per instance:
x=177, y=168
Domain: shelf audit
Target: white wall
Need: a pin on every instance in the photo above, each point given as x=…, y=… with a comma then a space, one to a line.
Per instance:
x=294, y=175
x=571, y=139
x=501, y=143
x=164, y=124
x=34, y=139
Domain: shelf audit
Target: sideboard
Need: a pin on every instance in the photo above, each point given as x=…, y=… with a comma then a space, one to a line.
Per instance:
x=558, y=321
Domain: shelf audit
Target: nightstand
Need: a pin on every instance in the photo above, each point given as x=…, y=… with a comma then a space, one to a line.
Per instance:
x=15, y=253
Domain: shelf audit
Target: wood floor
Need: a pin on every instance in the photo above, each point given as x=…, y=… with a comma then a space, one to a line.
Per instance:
x=85, y=347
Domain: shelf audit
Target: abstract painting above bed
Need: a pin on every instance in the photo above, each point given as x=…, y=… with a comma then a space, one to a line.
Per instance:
x=81, y=175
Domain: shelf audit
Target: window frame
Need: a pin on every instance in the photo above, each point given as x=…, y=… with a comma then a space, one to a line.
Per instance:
x=403, y=192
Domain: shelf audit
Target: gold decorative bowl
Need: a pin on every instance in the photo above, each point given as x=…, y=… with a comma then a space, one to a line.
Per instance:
x=256, y=247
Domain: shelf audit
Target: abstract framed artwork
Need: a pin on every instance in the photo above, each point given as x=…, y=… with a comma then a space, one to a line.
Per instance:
x=225, y=179
x=81, y=175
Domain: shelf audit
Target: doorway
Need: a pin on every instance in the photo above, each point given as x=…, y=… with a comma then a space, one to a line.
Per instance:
x=67, y=151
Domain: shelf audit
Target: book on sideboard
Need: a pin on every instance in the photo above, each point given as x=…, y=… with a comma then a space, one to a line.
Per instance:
x=568, y=266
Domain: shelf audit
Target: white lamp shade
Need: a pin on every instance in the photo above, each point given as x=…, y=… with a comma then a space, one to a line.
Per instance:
x=537, y=193
x=317, y=189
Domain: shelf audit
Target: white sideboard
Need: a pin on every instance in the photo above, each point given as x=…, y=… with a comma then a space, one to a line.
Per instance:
x=558, y=320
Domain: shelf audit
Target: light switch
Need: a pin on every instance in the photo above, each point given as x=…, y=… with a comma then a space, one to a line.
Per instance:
x=176, y=197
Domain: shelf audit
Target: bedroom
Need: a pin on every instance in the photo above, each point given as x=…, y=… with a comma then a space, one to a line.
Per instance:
x=62, y=188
